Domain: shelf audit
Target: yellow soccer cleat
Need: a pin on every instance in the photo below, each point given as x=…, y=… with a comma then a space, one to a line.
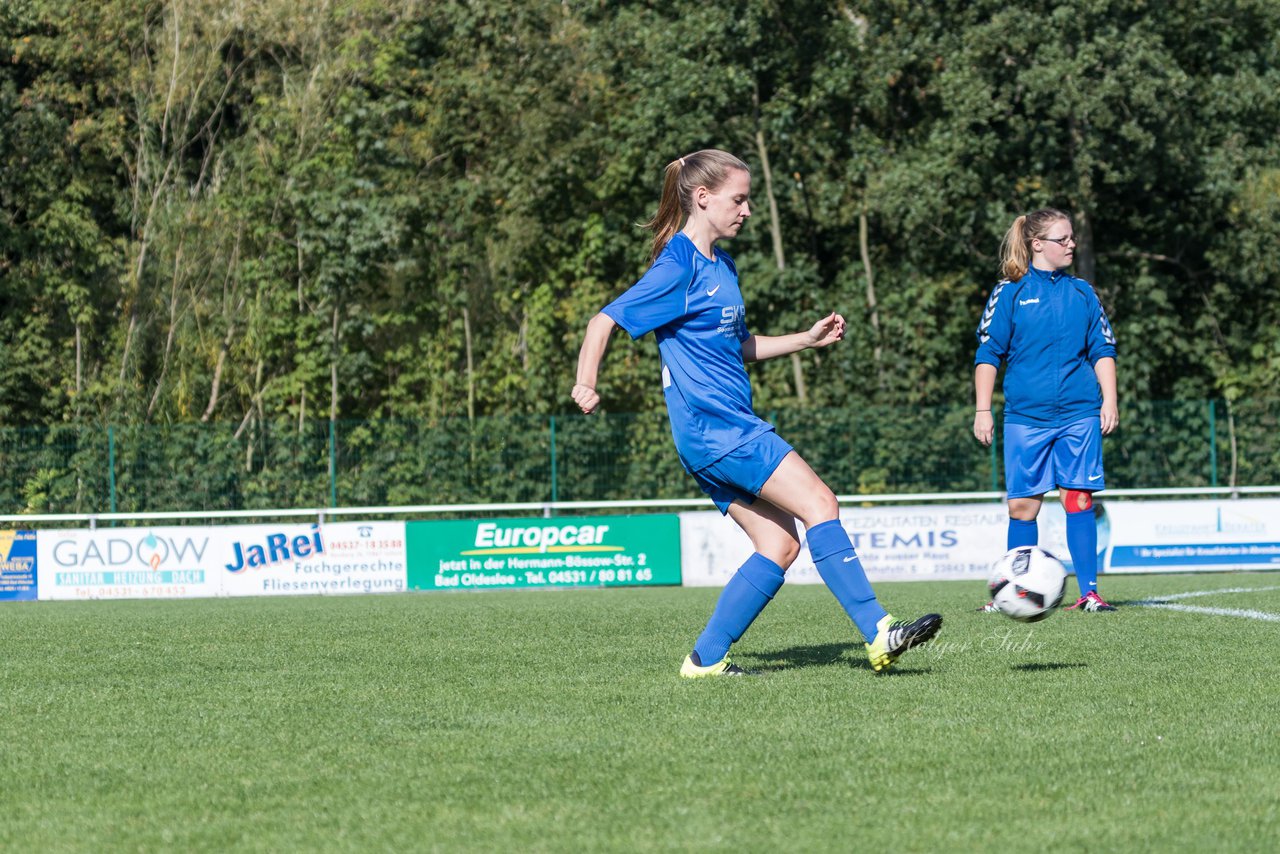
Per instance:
x=894, y=637
x=693, y=669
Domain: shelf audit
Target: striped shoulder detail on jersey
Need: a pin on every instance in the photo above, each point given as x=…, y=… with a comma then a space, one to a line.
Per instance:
x=1107, y=334
x=990, y=311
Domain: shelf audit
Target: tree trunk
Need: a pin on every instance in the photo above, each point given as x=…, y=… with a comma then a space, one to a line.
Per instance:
x=775, y=231
x=297, y=244
x=1086, y=257
x=217, y=381
x=128, y=345
x=158, y=156
x=217, y=370
x=79, y=361
x=173, y=331
x=255, y=408
x=873, y=307
x=471, y=373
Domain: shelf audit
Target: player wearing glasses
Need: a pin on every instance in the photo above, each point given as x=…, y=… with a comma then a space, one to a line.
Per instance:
x=1052, y=334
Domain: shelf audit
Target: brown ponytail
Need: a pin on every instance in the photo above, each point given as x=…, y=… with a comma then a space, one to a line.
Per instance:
x=707, y=168
x=1015, y=249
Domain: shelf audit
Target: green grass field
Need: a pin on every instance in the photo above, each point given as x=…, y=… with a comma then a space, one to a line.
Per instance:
x=555, y=721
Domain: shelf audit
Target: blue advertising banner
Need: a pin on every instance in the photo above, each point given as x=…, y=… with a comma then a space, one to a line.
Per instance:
x=1226, y=555
x=17, y=565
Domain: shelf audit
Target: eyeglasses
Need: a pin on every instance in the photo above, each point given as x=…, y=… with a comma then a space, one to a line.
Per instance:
x=1061, y=241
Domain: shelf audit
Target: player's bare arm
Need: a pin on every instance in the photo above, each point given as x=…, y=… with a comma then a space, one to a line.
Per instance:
x=1105, y=370
x=824, y=333
x=984, y=384
x=599, y=329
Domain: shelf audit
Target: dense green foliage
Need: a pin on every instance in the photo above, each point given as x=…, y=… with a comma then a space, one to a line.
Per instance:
x=505, y=721
x=270, y=213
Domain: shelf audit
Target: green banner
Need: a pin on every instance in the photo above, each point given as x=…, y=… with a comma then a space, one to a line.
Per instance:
x=583, y=551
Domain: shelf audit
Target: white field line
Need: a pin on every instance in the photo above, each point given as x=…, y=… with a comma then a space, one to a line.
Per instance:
x=1166, y=603
x=1222, y=612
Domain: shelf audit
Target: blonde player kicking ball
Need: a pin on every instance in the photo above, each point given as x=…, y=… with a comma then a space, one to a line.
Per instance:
x=690, y=300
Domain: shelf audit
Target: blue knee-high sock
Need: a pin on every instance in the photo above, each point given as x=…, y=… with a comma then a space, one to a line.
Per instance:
x=840, y=568
x=1023, y=533
x=752, y=587
x=1082, y=542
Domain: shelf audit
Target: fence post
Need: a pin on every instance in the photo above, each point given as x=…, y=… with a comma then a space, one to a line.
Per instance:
x=1213, y=443
x=555, y=491
x=333, y=465
x=111, y=464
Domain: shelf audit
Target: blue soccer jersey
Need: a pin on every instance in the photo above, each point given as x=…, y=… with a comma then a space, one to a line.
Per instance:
x=693, y=306
x=1050, y=329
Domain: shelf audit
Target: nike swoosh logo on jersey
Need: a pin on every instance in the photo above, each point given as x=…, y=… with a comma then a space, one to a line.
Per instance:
x=1095, y=477
x=712, y=292
x=846, y=560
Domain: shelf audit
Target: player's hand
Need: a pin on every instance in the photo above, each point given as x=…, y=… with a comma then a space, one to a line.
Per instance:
x=984, y=428
x=586, y=398
x=1110, y=418
x=827, y=331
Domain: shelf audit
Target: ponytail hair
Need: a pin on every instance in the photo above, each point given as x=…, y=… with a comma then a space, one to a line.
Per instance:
x=1015, y=249
x=708, y=168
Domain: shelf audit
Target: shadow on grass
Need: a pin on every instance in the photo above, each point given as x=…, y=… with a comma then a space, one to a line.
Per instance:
x=1048, y=665
x=824, y=655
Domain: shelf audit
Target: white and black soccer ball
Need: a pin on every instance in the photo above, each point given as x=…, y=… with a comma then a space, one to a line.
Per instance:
x=1027, y=583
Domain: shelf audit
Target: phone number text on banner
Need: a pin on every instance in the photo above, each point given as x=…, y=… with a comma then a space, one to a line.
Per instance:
x=596, y=551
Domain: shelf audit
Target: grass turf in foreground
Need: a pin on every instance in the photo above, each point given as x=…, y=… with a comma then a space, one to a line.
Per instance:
x=556, y=721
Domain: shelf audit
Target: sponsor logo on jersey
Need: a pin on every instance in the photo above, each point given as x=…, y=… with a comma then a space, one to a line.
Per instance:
x=731, y=318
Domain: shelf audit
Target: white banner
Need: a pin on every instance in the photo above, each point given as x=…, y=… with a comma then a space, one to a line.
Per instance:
x=243, y=560
x=917, y=542
x=340, y=557
x=1183, y=536
x=126, y=563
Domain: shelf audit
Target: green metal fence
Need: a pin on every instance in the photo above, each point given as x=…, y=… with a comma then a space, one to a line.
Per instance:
x=92, y=469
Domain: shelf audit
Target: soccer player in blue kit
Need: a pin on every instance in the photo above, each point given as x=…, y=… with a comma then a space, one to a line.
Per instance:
x=1051, y=332
x=690, y=300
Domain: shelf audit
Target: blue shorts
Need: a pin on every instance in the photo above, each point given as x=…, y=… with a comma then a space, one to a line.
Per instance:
x=741, y=473
x=1038, y=459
